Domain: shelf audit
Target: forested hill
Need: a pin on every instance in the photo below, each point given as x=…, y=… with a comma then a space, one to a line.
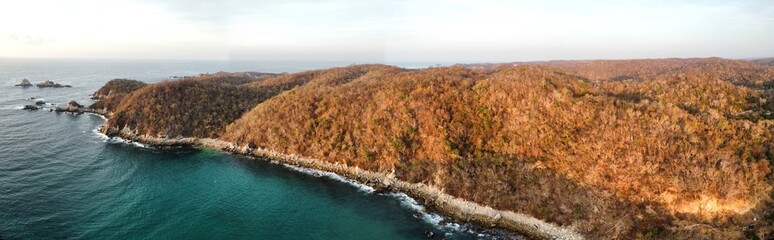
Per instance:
x=737, y=71
x=193, y=106
x=764, y=61
x=677, y=148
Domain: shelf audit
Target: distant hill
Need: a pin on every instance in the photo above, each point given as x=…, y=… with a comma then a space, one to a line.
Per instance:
x=764, y=61
x=669, y=148
x=736, y=71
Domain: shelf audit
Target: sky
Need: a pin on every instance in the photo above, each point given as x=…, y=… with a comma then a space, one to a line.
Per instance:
x=385, y=31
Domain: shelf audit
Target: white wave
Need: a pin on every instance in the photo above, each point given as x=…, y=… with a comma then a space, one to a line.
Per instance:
x=137, y=144
x=404, y=200
x=436, y=219
x=411, y=203
x=100, y=134
x=98, y=115
x=124, y=141
x=319, y=173
x=117, y=140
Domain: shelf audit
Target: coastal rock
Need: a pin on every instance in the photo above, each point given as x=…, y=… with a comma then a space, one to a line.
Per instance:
x=31, y=107
x=40, y=102
x=24, y=83
x=72, y=106
x=49, y=83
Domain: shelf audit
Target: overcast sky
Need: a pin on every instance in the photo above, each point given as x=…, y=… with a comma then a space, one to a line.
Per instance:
x=385, y=31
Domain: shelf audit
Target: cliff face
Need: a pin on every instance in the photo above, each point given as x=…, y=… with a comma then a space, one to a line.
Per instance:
x=668, y=152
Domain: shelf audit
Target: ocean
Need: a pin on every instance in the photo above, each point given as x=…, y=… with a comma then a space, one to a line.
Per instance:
x=61, y=179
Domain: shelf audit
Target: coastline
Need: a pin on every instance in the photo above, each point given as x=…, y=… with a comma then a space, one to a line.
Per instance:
x=445, y=204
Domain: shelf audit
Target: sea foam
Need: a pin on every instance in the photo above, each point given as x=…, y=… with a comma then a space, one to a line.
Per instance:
x=116, y=140
x=405, y=201
x=318, y=173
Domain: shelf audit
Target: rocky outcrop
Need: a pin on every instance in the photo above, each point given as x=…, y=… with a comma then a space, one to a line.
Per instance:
x=49, y=83
x=24, y=83
x=31, y=107
x=74, y=104
x=73, y=107
x=40, y=102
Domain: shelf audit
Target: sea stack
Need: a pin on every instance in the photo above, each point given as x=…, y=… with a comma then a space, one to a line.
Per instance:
x=24, y=83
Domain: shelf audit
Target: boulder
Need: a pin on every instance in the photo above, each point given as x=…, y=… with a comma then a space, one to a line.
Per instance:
x=74, y=104
x=24, y=83
x=40, y=102
x=31, y=107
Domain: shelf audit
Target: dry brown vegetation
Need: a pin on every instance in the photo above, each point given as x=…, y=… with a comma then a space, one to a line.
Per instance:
x=678, y=148
x=193, y=107
x=113, y=92
x=764, y=61
x=235, y=78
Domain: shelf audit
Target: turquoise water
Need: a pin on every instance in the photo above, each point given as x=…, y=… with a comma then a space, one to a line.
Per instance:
x=59, y=179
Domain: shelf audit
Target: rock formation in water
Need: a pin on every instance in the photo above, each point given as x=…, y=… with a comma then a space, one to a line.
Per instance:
x=51, y=84
x=671, y=148
x=72, y=107
x=24, y=83
x=30, y=107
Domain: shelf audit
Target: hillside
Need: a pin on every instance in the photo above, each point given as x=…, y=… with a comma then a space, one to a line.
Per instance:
x=680, y=148
x=736, y=71
x=113, y=92
x=171, y=108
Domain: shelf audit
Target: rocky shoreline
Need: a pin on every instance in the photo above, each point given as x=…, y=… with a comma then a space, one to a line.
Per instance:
x=456, y=208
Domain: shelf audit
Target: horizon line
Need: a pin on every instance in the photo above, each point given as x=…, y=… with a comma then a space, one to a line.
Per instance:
x=377, y=62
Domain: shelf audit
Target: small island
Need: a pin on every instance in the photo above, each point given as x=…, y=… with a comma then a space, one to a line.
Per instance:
x=24, y=83
x=44, y=84
x=49, y=83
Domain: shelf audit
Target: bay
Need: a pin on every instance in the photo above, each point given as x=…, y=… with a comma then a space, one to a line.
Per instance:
x=60, y=179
